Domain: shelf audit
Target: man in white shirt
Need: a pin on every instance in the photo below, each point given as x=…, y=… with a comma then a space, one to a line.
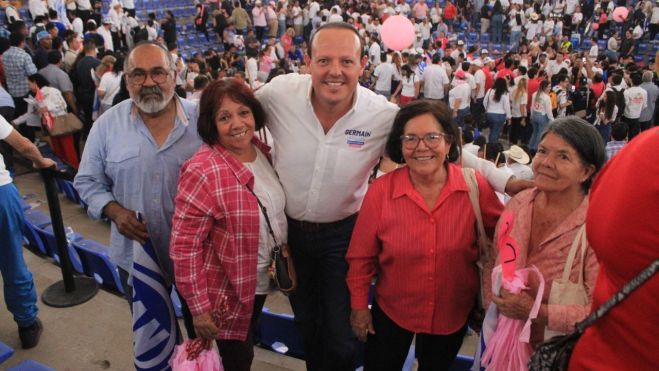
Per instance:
x=435, y=80
x=328, y=134
x=37, y=7
x=477, y=109
x=19, y=289
x=636, y=99
x=374, y=50
x=384, y=74
x=459, y=98
x=105, y=31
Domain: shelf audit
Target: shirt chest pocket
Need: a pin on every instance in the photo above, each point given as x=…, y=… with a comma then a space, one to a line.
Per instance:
x=123, y=166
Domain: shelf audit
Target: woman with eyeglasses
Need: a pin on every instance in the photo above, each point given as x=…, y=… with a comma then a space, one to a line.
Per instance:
x=416, y=234
x=547, y=223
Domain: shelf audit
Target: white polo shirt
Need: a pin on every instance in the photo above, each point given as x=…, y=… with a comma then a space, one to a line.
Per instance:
x=434, y=81
x=385, y=72
x=5, y=130
x=323, y=175
x=461, y=91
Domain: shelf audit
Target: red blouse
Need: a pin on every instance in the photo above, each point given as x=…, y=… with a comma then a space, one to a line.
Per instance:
x=623, y=229
x=425, y=260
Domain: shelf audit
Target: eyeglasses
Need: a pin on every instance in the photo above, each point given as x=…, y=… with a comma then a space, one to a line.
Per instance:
x=431, y=140
x=138, y=76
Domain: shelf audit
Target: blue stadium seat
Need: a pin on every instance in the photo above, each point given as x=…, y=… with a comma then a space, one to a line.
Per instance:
x=51, y=245
x=97, y=264
x=34, y=220
x=485, y=39
x=462, y=363
x=69, y=191
x=5, y=352
x=277, y=331
x=601, y=44
x=30, y=365
x=642, y=48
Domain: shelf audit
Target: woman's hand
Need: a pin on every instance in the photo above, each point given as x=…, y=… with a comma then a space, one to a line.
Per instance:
x=205, y=326
x=515, y=306
x=362, y=323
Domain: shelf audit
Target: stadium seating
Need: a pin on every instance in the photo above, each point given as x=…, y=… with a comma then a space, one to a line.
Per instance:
x=5, y=352
x=96, y=263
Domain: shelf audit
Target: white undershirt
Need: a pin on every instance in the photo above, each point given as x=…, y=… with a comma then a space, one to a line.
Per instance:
x=271, y=194
x=5, y=130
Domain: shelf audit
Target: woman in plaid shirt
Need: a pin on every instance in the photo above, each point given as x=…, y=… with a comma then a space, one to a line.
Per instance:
x=220, y=244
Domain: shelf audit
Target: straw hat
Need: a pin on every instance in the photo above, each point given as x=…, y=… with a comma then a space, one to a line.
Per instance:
x=517, y=154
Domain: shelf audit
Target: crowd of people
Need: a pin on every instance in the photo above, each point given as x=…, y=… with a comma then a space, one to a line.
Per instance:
x=369, y=176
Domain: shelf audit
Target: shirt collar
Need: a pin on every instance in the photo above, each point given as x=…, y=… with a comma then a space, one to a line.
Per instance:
x=402, y=184
x=180, y=112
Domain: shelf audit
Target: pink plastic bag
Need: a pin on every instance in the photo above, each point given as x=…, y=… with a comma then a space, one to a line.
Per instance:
x=196, y=355
x=508, y=348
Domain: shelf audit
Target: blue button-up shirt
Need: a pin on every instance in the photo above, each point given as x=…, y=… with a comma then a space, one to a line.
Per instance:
x=18, y=66
x=122, y=162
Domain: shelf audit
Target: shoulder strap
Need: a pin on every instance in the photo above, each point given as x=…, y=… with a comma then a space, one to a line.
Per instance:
x=579, y=242
x=265, y=214
x=474, y=194
x=621, y=295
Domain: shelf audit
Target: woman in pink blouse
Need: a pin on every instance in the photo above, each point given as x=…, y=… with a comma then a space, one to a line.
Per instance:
x=416, y=233
x=547, y=219
x=220, y=245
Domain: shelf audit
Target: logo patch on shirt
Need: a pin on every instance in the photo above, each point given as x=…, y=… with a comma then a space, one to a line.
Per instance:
x=356, y=138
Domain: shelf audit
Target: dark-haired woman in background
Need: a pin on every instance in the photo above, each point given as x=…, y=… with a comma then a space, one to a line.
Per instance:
x=497, y=108
x=606, y=112
x=220, y=243
x=548, y=220
x=415, y=231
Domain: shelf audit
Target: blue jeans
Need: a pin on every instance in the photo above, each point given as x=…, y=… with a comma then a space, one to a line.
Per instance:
x=539, y=122
x=460, y=118
x=496, y=121
x=497, y=28
x=19, y=290
x=322, y=301
x=605, y=131
x=515, y=37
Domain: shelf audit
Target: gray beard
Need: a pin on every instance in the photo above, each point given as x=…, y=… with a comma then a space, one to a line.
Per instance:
x=152, y=106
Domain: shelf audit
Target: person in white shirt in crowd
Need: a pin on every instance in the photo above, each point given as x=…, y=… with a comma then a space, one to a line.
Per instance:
x=374, y=50
x=519, y=127
x=561, y=91
x=594, y=50
x=384, y=75
x=435, y=80
x=459, y=98
x=517, y=161
x=468, y=140
x=497, y=108
x=110, y=85
x=606, y=114
x=409, y=87
x=636, y=99
x=324, y=172
x=77, y=25
x=105, y=31
x=37, y=7
x=129, y=7
x=424, y=29
x=335, y=16
x=647, y=115
x=541, y=113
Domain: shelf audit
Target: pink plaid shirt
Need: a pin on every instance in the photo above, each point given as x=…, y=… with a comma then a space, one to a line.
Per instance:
x=215, y=237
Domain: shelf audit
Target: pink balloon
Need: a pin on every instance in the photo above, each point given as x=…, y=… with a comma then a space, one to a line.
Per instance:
x=620, y=14
x=397, y=33
x=596, y=26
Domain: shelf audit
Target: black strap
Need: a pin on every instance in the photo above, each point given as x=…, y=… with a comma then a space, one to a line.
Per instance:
x=265, y=214
x=621, y=295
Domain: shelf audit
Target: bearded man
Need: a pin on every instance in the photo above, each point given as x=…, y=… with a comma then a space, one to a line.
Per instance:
x=132, y=159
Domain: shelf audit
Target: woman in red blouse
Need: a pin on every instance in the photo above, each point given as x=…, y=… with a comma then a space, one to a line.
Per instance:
x=415, y=232
x=220, y=246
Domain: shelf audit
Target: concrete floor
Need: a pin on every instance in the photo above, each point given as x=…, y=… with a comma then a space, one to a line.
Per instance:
x=97, y=335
